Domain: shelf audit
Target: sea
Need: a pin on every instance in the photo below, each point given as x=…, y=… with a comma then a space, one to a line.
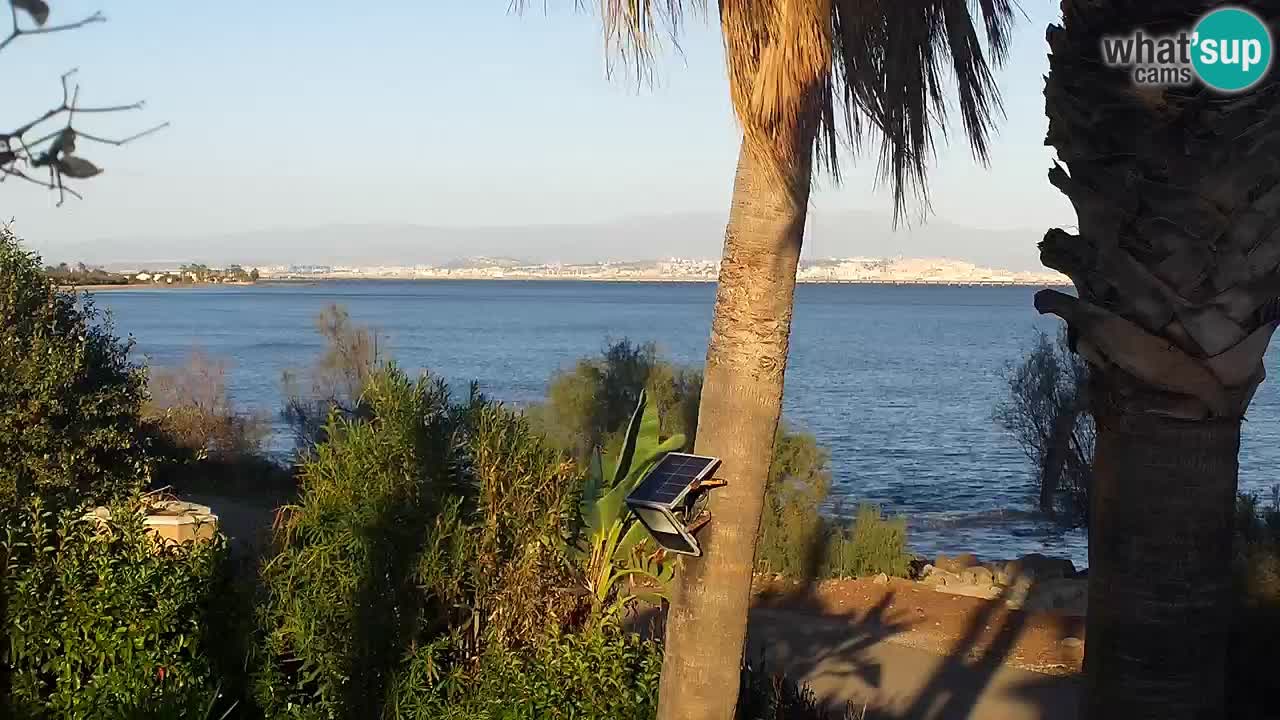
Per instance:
x=899, y=383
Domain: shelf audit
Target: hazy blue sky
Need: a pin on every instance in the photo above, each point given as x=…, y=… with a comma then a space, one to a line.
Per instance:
x=446, y=112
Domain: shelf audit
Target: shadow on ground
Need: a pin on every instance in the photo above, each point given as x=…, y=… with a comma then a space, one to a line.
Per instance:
x=849, y=659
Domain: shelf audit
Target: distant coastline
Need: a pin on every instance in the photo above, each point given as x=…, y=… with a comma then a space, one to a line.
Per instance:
x=152, y=286
x=865, y=271
x=656, y=280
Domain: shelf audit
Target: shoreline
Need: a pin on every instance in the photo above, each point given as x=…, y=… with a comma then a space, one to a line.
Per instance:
x=688, y=281
x=150, y=286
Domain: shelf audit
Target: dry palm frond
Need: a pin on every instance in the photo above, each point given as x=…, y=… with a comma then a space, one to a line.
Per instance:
x=633, y=28
x=841, y=71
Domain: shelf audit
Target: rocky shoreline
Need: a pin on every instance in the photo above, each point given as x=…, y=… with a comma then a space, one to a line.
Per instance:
x=1035, y=582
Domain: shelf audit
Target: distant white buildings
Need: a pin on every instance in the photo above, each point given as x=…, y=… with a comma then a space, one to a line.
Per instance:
x=938, y=271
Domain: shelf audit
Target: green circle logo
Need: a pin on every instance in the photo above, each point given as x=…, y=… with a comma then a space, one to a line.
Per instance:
x=1231, y=49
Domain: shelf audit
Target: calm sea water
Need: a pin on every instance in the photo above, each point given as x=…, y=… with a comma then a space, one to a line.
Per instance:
x=898, y=382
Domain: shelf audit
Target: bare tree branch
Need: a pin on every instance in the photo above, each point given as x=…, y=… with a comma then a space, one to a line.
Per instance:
x=62, y=190
x=16, y=149
x=18, y=32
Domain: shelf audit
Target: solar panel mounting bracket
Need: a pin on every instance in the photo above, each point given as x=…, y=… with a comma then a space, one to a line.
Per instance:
x=703, y=518
x=710, y=483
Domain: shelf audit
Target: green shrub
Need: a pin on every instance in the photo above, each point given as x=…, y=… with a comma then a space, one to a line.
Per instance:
x=341, y=601
x=588, y=405
x=872, y=544
x=70, y=400
x=1253, y=653
x=520, y=573
x=105, y=622
x=793, y=532
x=590, y=676
x=423, y=527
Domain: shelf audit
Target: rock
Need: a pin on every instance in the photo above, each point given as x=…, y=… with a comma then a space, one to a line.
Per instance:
x=978, y=576
x=1039, y=567
x=999, y=575
x=957, y=563
x=881, y=579
x=989, y=592
x=942, y=578
x=1065, y=596
x=1017, y=592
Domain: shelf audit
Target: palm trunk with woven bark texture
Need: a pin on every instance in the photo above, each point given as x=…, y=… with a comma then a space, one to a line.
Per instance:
x=738, y=418
x=1163, y=504
x=1177, y=270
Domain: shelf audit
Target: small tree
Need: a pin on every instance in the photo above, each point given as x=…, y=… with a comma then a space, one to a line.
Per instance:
x=70, y=399
x=1047, y=413
x=34, y=146
x=336, y=382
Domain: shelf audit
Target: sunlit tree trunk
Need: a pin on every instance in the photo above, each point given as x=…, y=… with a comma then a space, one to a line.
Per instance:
x=1177, y=270
x=738, y=420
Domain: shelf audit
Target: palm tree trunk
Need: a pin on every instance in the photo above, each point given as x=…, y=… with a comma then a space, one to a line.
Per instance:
x=1177, y=268
x=738, y=419
x=1159, y=566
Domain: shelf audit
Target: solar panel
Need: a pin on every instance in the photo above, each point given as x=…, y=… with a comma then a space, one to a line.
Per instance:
x=671, y=479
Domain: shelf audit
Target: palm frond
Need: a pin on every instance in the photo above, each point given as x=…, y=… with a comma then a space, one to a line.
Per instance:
x=808, y=77
x=634, y=29
x=831, y=73
x=890, y=68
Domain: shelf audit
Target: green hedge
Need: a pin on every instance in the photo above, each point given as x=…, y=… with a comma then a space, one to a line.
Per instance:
x=341, y=600
x=592, y=676
x=70, y=400
x=102, y=621
x=427, y=528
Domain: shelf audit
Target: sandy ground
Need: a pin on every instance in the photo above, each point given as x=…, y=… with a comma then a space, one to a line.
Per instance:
x=915, y=615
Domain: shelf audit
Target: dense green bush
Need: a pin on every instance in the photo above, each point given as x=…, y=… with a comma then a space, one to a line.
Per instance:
x=588, y=406
x=341, y=596
x=589, y=676
x=70, y=400
x=793, y=532
x=103, y=621
x=872, y=544
x=425, y=530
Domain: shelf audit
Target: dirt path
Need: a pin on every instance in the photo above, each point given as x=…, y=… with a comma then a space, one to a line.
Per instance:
x=919, y=654
x=843, y=661
x=912, y=614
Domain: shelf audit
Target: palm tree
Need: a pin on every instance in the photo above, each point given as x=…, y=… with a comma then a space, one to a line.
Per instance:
x=1177, y=269
x=805, y=76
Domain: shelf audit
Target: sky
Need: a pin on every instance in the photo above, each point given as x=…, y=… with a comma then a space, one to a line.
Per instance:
x=445, y=113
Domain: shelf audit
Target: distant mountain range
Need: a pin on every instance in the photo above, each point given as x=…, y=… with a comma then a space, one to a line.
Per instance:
x=830, y=235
